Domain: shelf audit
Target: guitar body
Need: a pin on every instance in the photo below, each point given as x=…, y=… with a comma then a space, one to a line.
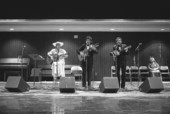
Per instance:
x=116, y=53
x=55, y=58
x=81, y=58
x=83, y=54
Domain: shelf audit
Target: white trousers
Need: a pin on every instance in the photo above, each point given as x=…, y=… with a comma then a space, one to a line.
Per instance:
x=58, y=69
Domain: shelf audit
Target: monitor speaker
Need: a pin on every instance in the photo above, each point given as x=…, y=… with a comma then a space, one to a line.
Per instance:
x=67, y=84
x=152, y=85
x=16, y=84
x=109, y=85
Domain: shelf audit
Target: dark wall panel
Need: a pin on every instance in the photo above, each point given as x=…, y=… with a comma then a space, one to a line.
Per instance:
x=153, y=44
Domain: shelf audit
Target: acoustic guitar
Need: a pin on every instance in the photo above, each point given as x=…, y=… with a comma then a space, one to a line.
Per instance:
x=116, y=53
x=55, y=58
x=83, y=54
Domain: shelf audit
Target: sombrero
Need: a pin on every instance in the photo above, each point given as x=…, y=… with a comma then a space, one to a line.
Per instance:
x=58, y=43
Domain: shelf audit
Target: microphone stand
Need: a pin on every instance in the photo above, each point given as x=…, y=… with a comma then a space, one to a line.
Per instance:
x=160, y=55
x=115, y=65
x=138, y=63
x=35, y=65
x=86, y=82
x=22, y=54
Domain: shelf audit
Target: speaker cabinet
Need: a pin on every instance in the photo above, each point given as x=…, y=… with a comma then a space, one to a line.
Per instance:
x=67, y=84
x=151, y=85
x=16, y=84
x=109, y=85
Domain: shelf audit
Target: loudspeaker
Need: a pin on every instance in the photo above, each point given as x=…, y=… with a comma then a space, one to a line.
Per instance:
x=109, y=85
x=151, y=85
x=67, y=84
x=16, y=84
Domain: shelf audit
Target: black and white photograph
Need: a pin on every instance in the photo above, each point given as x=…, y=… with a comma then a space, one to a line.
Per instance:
x=84, y=57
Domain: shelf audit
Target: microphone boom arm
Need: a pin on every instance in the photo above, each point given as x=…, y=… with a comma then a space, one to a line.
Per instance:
x=138, y=46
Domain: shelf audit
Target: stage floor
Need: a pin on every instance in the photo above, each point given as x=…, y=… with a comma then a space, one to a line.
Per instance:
x=45, y=98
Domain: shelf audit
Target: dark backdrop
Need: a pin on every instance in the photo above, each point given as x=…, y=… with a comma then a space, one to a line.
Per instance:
x=153, y=44
x=87, y=9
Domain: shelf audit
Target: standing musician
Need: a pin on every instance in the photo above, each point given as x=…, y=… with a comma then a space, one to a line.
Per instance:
x=119, y=52
x=57, y=56
x=85, y=55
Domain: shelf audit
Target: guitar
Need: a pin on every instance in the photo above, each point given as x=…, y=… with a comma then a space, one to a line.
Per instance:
x=54, y=58
x=116, y=53
x=85, y=52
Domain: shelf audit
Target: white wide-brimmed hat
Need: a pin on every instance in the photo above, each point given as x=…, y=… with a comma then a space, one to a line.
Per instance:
x=58, y=43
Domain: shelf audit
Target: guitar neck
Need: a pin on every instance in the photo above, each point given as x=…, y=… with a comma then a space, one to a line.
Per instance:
x=128, y=47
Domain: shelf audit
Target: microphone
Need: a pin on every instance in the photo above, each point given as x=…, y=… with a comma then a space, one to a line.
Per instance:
x=138, y=46
x=24, y=46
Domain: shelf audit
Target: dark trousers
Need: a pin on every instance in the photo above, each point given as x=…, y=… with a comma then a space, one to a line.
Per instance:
x=87, y=69
x=123, y=78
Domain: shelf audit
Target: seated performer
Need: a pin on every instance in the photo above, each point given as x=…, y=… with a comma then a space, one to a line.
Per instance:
x=57, y=56
x=153, y=67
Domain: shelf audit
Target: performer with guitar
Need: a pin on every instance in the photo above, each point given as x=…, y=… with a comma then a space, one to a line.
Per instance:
x=119, y=53
x=57, y=57
x=85, y=55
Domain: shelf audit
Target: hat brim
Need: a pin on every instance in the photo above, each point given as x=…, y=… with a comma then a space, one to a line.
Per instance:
x=58, y=43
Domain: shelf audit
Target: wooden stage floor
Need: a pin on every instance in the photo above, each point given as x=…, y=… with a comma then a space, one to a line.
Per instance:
x=45, y=98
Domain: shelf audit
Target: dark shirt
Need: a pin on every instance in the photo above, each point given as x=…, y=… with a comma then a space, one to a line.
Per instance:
x=121, y=59
x=90, y=52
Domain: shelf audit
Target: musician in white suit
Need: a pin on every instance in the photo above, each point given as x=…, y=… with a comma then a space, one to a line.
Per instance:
x=58, y=56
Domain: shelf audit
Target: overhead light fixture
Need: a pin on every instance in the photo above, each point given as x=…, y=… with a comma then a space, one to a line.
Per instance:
x=11, y=29
x=61, y=29
x=75, y=36
x=112, y=29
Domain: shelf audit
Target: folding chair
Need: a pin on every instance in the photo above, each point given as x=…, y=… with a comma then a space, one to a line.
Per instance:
x=113, y=71
x=135, y=72
x=76, y=71
x=144, y=72
x=128, y=73
x=164, y=70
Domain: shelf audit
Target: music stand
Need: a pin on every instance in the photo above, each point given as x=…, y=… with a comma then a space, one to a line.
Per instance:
x=36, y=58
